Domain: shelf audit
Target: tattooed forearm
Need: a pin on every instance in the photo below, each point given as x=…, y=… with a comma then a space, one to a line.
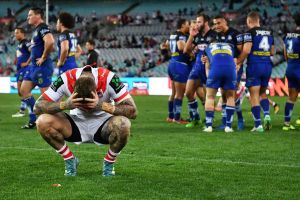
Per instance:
x=126, y=108
x=43, y=106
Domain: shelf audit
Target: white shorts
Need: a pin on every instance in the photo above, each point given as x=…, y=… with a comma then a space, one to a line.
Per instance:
x=87, y=129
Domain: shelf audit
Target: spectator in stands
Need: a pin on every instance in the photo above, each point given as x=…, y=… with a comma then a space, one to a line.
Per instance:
x=92, y=54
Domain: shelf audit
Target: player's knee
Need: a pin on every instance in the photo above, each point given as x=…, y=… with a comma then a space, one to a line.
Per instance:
x=44, y=124
x=189, y=95
x=123, y=125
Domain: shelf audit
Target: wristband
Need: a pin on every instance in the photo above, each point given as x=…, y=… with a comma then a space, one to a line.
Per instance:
x=107, y=107
x=62, y=105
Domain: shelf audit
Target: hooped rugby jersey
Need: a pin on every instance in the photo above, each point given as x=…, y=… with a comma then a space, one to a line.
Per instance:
x=108, y=84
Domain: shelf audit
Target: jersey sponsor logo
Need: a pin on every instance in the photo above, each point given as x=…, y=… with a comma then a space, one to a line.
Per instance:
x=223, y=51
x=182, y=38
x=201, y=47
x=293, y=55
x=239, y=38
x=247, y=37
x=217, y=48
x=43, y=31
x=116, y=84
x=62, y=37
x=261, y=53
x=56, y=84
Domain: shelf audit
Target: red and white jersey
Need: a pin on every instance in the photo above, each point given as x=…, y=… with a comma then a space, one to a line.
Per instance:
x=109, y=87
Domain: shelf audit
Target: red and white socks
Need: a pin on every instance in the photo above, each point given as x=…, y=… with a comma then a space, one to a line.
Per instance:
x=65, y=152
x=110, y=156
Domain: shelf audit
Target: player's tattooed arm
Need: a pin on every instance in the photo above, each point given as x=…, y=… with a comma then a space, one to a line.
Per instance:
x=126, y=108
x=44, y=106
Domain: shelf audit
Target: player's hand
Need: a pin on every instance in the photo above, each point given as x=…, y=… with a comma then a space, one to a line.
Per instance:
x=204, y=59
x=24, y=64
x=193, y=31
x=73, y=102
x=94, y=103
x=39, y=61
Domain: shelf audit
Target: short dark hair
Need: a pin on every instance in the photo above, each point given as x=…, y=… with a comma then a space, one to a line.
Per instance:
x=297, y=19
x=220, y=16
x=22, y=30
x=180, y=22
x=205, y=17
x=84, y=86
x=91, y=41
x=38, y=11
x=253, y=16
x=67, y=20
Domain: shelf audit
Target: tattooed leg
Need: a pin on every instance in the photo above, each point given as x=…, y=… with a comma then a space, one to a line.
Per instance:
x=117, y=130
x=54, y=128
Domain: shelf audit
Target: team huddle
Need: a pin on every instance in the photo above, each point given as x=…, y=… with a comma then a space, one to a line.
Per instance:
x=98, y=103
x=206, y=59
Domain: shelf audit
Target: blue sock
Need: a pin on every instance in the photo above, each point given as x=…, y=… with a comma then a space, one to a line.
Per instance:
x=256, y=115
x=288, y=110
x=177, y=108
x=193, y=109
x=224, y=114
x=264, y=103
x=171, y=109
x=30, y=101
x=229, y=115
x=238, y=110
x=209, y=116
x=23, y=105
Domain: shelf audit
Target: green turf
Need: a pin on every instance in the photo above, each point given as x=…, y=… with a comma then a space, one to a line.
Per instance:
x=161, y=161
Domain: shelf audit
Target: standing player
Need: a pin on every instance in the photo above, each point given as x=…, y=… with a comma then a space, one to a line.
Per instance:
x=93, y=120
x=40, y=72
x=23, y=60
x=67, y=43
x=200, y=36
x=258, y=48
x=292, y=55
x=227, y=34
x=221, y=70
x=92, y=54
x=178, y=70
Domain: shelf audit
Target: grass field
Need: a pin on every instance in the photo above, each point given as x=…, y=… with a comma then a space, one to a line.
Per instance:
x=161, y=161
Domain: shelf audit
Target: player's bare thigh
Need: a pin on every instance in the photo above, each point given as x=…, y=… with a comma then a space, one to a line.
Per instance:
x=58, y=122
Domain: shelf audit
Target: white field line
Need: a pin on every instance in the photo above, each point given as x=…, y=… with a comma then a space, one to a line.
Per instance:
x=222, y=161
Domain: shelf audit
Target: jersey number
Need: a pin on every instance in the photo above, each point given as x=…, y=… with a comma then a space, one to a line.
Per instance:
x=289, y=46
x=264, y=44
x=74, y=42
x=173, y=46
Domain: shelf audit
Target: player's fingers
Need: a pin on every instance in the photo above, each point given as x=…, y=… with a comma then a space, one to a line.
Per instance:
x=94, y=94
x=74, y=95
x=89, y=100
x=74, y=100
